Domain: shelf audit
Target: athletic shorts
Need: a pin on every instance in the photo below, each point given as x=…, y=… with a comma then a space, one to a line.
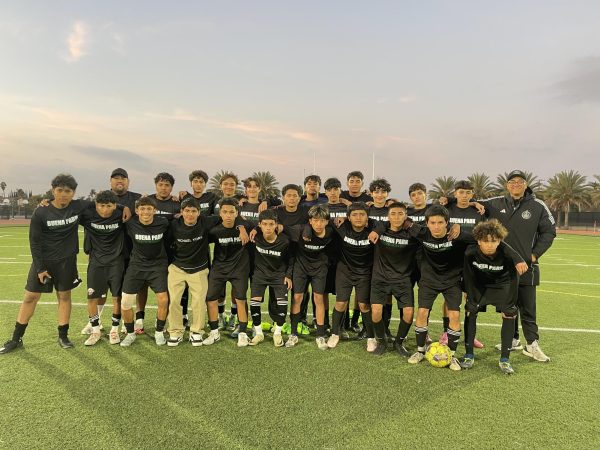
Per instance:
x=136, y=278
x=452, y=295
x=330, y=281
x=63, y=273
x=217, y=284
x=301, y=281
x=258, y=288
x=101, y=278
x=345, y=280
x=402, y=290
x=501, y=297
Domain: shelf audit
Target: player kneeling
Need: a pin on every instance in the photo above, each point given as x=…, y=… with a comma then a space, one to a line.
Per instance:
x=491, y=277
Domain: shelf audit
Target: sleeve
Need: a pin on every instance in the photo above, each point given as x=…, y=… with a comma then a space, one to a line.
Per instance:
x=511, y=254
x=35, y=242
x=170, y=241
x=546, y=232
x=417, y=232
x=466, y=236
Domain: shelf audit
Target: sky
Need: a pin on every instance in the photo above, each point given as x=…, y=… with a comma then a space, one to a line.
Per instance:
x=423, y=89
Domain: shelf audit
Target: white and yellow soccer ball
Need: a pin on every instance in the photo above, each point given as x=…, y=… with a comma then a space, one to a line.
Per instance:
x=438, y=355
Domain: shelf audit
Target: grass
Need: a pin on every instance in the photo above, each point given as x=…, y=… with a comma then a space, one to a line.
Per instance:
x=263, y=397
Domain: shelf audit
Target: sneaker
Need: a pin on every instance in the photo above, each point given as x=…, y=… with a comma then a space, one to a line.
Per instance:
x=467, y=362
x=416, y=358
x=139, y=326
x=159, y=338
x=371, y=344
x=196, y=339
x=286, y=328
x=303, y=329
x=174, y=341
x=222, y=322
x=333, y=340
x=534, y=351
x=292, y=341
x=506, y=368
x=401, y=349
x=11, y=345
x=113, y=337
x=257, y=338
x=65, y=342
x=322, y=343
x=94, y=337
x=444, y=338
x=243, y=340
x=235, y=333
x=214, y=336
x=516, y=345
x=380, y=349
x=231, y=323
x=477, y=343
x=277, y=340
x=454, y=365
x=88, y=329
x=128, y=340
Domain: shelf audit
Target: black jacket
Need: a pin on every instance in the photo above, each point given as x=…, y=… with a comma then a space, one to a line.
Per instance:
x=531, y=228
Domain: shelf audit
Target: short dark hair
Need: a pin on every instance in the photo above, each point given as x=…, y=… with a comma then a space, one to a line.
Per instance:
x=355, y=173
x=437, y=210
x=64, y=180
x=332, y=183
x=397, y=205
x=249, y=180
x=268, y=214
x=315, y=178
x=198, y=174
x=491, y=228
x=190, y=202
x=228, y=201
x=227, y=175
x=416, y=187
x=357, y=206
x=164, y=176
x=463, y=184
x=294, y=187
x=104, y=197
x=318, y=212
x=145, y=201
x=380, y=183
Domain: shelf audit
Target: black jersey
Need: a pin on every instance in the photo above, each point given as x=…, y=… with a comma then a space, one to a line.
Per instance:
x=249, y=212
x=395, y=256
x=229, y=256
x=207, y=202
x=337, y=210
x=310, y=256
x=320, y=200
x=489, y=271
x=128, y=199
x=166, y=208
x=189, y=243
x=355, y=249
x=417, y=215
x=53, y=232
x=148, y=243
x=288, y=219
x=272, y=259
x=217, y=207
x=362, y=197
x=467, y=217
x=104, y=236
x=379, y=214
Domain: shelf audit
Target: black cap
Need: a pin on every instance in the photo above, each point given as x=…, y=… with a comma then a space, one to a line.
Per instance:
x=119, y=173
x=516, y=173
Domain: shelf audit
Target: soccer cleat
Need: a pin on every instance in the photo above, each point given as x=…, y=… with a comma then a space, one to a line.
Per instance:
x=222, y=322
x=416, y=358
x=174, y=341
x=356, y=328
x=235, y=333
x=534, y=351
x=371, y=344
x=231, y=323
x=11, y=345
x=139, y=326
x=303, y=329
x=94, y=337
x=444, y=338
x=380, y=349
x=333, y=340
x=88, y=329
x=389, y=337
x=344, y=335
x=286, y=328
x=401, y=349
x=362, y=334
x=454, y=365
x=196, y=339
x=477, y=343
x=128, y=340
x=159, y=338
x=516, y=345
x=113, y=337
x=257, y=338
x=467, y=362
x=213, y=337
x=65, y=342
x=506, y=368
x=292, y=341
x=321, y=343
x=243, y=340
x=277, y=340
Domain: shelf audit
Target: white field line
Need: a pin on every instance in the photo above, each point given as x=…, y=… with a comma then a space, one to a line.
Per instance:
x=569, y=293
x=493, y=325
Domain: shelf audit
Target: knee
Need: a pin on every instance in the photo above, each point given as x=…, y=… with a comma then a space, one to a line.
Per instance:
x=364, y=307
x=127, y=301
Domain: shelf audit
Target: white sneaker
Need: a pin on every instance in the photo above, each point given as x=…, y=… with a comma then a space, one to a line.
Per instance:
x=113, y=337
x=159, y=338
x=196, y=339
x=213, y=337
x=258, y=338
x=292, y=341
x=321, y=343
x=454, y=364
x=88, y=329
x=243, y=340
x=516, y=345
x=333, y=340
x=534, y=351
x=94, y=337
x=128, y=340
x=277, y=340
x=417, y=357
x=371, y=344
x=174, y=341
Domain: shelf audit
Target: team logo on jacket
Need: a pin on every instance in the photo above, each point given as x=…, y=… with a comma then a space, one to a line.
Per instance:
x=526, y=214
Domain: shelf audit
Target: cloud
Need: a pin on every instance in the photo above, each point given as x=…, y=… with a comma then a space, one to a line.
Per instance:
x=77, y=41
x=582, y=85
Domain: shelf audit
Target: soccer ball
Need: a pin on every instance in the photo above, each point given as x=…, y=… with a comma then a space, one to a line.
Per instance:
x=438, y=355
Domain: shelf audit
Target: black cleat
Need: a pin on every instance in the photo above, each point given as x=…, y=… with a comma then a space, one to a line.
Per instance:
x=401, y=350
x=65, y=342
x=362, y=334
x=380, y=349
x=11, y=345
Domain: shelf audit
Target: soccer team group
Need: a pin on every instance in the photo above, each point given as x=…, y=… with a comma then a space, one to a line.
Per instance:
x=306, y=245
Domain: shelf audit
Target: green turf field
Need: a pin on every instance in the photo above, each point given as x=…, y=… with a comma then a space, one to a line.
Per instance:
x=262, y=397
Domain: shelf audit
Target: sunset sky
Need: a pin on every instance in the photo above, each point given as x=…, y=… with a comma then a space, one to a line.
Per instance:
x=429, y=88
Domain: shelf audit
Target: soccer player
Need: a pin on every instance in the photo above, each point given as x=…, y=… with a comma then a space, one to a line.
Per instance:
x=355, y=193
x=54, y=245
x=104, y=233
x=532, y=230
x=333, y=189
x=380, y=190
x=206, y=200
x=418, y=196
x=249, y=210
x=312, y=195
x=272, y=268
x=441, y=268
x=231, y=263
x=148, y=266
x=491, y=277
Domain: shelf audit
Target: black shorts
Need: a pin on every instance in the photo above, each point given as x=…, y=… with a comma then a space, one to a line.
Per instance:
x=101, y=278
x=502, y=297
x=136, y=278
x=330, y=281
x=63, y=273
x=402, y=290
x=345, y=280
x=452, y=295
x=217, y=284
x=301, y=280
x=258, y=288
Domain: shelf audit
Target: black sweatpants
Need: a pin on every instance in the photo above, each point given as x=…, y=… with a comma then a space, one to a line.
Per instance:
x=526, y=302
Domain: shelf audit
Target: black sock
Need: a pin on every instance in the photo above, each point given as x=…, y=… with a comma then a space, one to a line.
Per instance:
x=320, y=330
x=421, y=333
x=281, y=310
x=506, y=334
x=516, y=333
x=243, y=326
x=387, y=314
x=19, y=331
x=255, y=313
x=337, y=318
x=213, y=324
x=234, y=310
x=63, y=330
x=446, y=321
x=140, y=315
x=184, y=302
x=453, y=337
x=346, y=319
x=368, y=324
x=470, y=329
x=129, y=327
x=95, y=321
x=294, y=319
x=116, y=318
x=160, y=324
x=221, y=308
x=355, y=316
x=379, y=328
x=403, y=329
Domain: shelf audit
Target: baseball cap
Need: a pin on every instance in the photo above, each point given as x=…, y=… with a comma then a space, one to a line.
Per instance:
x=119, y=173
x=515, y=174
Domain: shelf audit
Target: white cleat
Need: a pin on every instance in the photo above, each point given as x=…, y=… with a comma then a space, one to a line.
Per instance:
x=213, y=337
x=159, y=338
x=371, y=344
x=243, y=340
x=534, y=351
x=94, y=337
x=516, y=345
x=454, y=364
x=321, y=343
x=128, y=340
x=113, y=337
x=416, y=358
x=277, y=340
x=257, y=339
x=292, y=341
x=333, y=340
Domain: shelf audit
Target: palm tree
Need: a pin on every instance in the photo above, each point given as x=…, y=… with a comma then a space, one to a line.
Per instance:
x=215, y=183
x=92, y=195
x=482, y=185
x=566, y=189
x=268, y=184
x=595, y=191
x=443, y=187
x=533, y=182
x=3, y=187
